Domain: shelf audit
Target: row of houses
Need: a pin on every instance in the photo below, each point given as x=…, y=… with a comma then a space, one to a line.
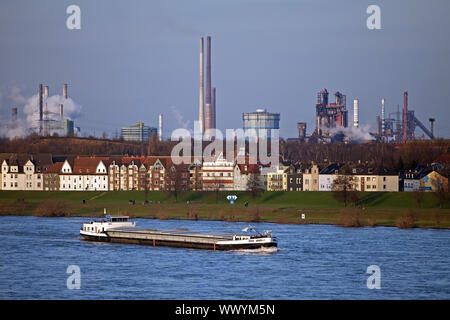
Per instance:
x=160, y=173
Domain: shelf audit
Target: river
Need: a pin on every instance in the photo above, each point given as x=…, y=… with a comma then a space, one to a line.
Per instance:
x=312, y=262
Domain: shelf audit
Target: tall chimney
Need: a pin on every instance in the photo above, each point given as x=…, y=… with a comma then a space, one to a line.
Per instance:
x=213, y=108
x=378, y=126
x=432, y=126
x=46, y=92
x=41, y=102
x=208, y=84
x=13, y=114
x=65, y=90
x=160, y=126
x=405, y=115
x=41, y=107
x=61, y=116
x=383, y=123
x=356, y=113
x=201, y=96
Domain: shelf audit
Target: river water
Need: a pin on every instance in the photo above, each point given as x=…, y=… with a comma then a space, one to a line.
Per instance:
x=312, y=262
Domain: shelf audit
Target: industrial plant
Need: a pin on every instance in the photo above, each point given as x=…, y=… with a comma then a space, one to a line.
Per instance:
x=400, y=126
x=50, y=122
x=332, y=122
x=330, y=115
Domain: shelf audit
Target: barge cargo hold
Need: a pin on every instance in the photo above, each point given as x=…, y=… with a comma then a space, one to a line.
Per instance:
x=120, y=230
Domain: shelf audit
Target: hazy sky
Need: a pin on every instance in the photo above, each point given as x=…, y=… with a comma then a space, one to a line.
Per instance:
x=132, y=60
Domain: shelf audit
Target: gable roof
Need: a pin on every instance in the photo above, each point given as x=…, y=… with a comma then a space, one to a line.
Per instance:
x=55, y=168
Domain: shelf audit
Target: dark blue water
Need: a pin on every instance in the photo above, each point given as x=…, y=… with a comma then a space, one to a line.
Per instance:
x=313, y=262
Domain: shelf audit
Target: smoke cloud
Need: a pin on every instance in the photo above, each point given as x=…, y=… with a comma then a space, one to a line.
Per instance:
x=28, y=118
x=354, y=134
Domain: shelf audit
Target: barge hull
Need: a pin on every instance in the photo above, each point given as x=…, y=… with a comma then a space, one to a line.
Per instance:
x=180, y=244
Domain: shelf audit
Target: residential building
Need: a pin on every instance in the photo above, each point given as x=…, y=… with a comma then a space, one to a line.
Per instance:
x=327, y=175
x=277, y=181
x=431, y=180
x=409, y=181
x=84, y=174
x=195, y=176
x=243, y=173
x=218, y=174
x=51, y=177
x=24, y=172
x=375, y=179
x=295, y=177
x=311, y=178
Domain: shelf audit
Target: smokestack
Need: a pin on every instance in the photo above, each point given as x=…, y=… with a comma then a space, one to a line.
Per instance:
x=405, y=115
x=383, y=129
x=61, y=111
x=432, y=125
x=201, y=103
x=301, y=126
x=41, y=107
x=13, y=114
x=208, y=84
x=65, y=90
x=213, y=109
x=378, y=126
x=356, y=113
x=160, y=126
x=41, y=102
x=46, y=92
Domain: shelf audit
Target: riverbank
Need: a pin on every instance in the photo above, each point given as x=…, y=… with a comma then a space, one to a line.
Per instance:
x=374, y=209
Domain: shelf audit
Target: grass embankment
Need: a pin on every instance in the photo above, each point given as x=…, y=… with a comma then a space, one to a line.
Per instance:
x=374, y=209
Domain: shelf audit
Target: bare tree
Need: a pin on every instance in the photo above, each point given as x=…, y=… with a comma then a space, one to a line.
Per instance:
x=253, y=185
x=440, y=189
x=176, y=180
x=418, y=196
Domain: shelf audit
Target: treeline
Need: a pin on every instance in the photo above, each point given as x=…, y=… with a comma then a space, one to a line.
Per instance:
x=398, y=156
x=394, y=156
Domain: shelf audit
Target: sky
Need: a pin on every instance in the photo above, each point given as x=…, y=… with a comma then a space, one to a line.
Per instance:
x=132, y=60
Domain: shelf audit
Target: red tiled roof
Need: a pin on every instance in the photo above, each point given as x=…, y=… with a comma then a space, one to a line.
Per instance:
x=55, y=168
x=87, y=164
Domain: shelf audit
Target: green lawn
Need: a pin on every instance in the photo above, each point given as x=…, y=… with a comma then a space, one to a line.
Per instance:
x=383, y=208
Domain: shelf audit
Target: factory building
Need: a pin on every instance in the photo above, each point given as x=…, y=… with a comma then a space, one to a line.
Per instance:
x=401, y=125
x=50, y=123
x=260, y=123
x=137, y=132
x=330, y=115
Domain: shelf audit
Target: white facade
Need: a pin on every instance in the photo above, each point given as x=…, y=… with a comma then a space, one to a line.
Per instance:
x=83, y=181
x=16, y=177
x=411, y=185
x=218, y=174
x=326, y=182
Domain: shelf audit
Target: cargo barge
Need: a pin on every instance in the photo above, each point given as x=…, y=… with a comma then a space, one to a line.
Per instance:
x=121, y=230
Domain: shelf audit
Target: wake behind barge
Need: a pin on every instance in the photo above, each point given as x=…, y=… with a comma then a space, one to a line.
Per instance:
x=119, y=229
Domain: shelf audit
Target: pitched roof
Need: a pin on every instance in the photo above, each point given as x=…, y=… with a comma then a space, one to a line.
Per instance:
x=55, y=168
x=87, y=164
